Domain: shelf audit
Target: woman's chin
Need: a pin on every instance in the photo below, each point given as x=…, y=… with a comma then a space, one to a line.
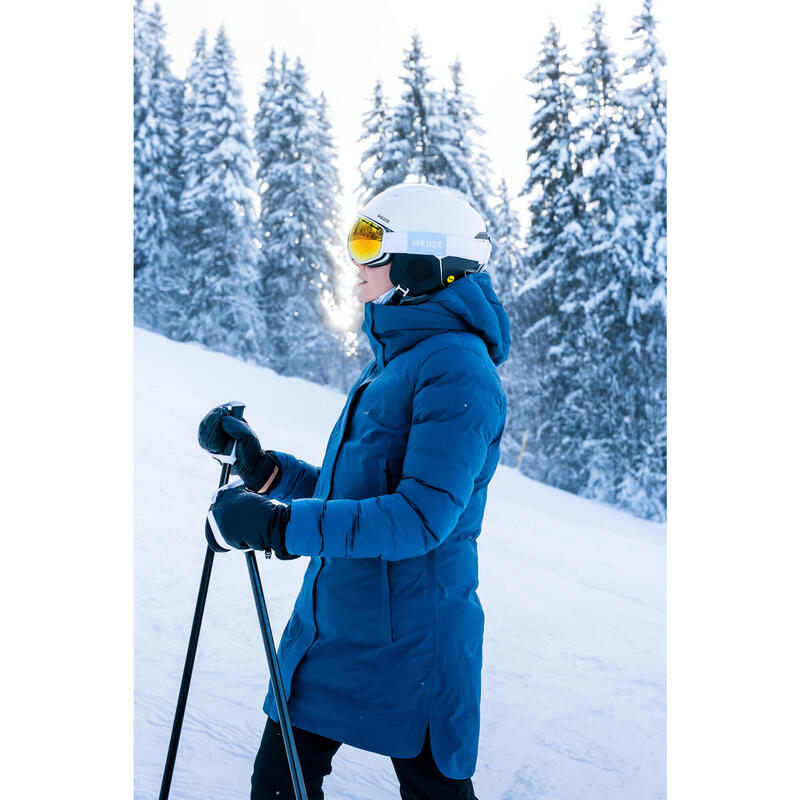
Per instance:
x=366, y=294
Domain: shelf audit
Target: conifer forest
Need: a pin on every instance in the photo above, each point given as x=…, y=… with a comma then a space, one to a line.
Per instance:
x=238, y=232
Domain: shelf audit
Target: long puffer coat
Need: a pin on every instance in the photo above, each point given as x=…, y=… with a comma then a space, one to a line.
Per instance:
x=386, y=634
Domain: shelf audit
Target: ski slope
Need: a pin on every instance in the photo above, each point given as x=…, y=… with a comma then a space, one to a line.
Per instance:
x=573, y=700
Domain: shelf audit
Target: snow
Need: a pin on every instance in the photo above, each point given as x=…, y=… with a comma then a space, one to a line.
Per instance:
x=573, y=702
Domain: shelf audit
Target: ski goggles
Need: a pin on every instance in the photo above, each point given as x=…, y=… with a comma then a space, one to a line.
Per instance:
x=369, y=242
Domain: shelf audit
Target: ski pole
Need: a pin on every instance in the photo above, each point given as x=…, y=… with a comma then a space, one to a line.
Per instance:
x=295, y=768
x=237, y=410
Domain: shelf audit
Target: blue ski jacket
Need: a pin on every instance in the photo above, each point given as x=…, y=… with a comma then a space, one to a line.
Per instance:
x=386, y=634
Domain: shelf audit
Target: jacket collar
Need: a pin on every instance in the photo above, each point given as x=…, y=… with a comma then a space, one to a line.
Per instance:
x=469, y=304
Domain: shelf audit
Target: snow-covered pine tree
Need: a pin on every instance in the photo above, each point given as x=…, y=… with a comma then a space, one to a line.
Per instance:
x=178, y=100
x=606, y=259
x=343, y=362
x=398, y=139
x=506, y=265
x=443, y=157
x=550, y=153
x=597, y=85
x=149, y=54
x=193, y=169
x=507, y=269
x=646, y=106
x=429, y=137
x=141, y=51
x=141, y=56
x=299, y=184
x=219, y=225
x=551, y=315
x=454, y=131
x=410, y=140
x=267, y=147
x=641, y=158
x=380, y=167
x=156, y=151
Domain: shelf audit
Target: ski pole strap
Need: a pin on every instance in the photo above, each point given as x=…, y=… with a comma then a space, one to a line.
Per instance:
x=216, y=535
x=216, y=541
x=227, y=458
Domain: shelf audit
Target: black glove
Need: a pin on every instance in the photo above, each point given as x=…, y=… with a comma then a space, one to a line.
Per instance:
x=253, y=465
x=247, y=521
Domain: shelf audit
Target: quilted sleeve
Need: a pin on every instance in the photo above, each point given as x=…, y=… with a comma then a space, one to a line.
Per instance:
x=297, y=478
x=458, y=411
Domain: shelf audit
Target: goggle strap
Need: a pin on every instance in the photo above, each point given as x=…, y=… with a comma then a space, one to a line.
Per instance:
x=470, y=249
x=436, y=244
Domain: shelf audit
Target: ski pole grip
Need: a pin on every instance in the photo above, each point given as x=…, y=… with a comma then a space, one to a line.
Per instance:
x=228, y=454
x=237, y=411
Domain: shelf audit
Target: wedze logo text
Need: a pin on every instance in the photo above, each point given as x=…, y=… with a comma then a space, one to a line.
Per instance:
x=420, y=242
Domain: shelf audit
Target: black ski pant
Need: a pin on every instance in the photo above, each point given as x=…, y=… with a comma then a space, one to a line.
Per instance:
x=419, y=777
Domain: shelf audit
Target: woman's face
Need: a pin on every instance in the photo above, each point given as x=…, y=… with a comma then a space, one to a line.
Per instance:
x=372, y=282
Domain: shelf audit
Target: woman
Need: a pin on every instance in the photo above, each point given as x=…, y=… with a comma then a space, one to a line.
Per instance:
x=383, y=648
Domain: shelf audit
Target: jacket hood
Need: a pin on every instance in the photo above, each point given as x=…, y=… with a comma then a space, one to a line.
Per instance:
x=469, y=304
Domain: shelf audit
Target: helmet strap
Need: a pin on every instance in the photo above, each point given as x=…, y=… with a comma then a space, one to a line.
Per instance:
x=400, y=293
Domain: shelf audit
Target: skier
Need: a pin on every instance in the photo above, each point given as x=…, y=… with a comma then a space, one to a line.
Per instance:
x=383, y=648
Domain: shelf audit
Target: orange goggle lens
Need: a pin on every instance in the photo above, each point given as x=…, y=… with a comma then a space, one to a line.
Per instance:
x=364, y=241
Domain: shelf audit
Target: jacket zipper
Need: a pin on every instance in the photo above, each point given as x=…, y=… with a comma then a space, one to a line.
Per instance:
x=345, y=426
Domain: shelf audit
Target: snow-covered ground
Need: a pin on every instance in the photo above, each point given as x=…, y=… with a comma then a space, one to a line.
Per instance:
x=573, y=701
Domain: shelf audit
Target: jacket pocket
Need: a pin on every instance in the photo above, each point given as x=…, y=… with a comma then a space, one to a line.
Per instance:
x=386, y=601
x=389, y=476
x=386, y=596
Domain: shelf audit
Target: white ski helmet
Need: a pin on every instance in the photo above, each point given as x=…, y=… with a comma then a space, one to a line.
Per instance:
x=431, y=234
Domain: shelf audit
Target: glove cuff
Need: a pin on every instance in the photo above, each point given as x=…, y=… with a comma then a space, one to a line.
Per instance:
x=280, y=551
x=255, y=480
